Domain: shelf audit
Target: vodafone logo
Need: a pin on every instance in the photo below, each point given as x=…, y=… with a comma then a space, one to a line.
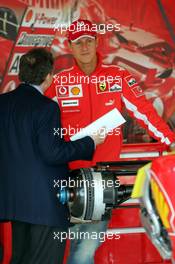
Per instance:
x=29, y=15
x=62, y=90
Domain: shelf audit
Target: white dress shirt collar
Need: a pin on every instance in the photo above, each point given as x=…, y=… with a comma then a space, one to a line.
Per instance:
x=38, y=87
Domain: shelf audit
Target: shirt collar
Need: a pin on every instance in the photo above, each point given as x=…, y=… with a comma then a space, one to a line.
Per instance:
x=98, y=66
x=37, y=87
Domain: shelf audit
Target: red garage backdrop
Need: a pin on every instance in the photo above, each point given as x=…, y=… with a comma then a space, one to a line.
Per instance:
x=144, y=45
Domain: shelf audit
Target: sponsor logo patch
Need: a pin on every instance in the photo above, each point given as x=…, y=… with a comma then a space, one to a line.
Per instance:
x=62, y=91
x=137, y=91
x=117, y=86
x=102, y=87
x=107, y=87
x=71, y=111
x=75, y=90
x=130, y=80
x=110, y=102
x=67, y=103
x=33, y=40
x=43, y=18
x=67, y=91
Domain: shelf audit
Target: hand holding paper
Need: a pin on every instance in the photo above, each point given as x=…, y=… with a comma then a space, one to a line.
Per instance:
x=99, y=136
x=110, y=121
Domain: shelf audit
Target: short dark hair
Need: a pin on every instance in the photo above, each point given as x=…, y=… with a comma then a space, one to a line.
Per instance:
x=35, y=65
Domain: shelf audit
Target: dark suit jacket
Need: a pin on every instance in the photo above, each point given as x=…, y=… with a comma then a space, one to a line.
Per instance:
x=31, y=158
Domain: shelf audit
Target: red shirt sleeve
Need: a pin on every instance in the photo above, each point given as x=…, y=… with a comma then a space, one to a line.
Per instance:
x=141, y=109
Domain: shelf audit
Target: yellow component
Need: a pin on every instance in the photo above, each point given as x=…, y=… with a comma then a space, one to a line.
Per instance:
x=160, y=202
x=75, y=90
x=170, y=153
x=137, y=191
x=102, y=86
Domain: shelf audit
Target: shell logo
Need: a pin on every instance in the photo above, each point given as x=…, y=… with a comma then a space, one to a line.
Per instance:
x=75, y=90
x=161, y=203
x=29, y=15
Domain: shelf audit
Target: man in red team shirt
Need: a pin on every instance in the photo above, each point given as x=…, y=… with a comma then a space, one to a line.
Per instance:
x=89, y=90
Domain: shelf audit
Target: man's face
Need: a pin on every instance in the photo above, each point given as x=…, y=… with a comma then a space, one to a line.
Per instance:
x=84, y=49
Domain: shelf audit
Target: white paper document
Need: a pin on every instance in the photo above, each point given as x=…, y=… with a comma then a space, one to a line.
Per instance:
x=110, y=121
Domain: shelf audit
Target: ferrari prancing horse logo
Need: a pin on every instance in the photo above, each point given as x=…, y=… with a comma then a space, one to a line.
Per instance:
x=102, y=86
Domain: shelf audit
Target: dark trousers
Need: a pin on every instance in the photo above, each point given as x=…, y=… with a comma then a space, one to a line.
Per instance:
x=35, y=244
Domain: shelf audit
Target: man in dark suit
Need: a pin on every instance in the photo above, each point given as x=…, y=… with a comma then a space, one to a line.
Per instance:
x=31, y=158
